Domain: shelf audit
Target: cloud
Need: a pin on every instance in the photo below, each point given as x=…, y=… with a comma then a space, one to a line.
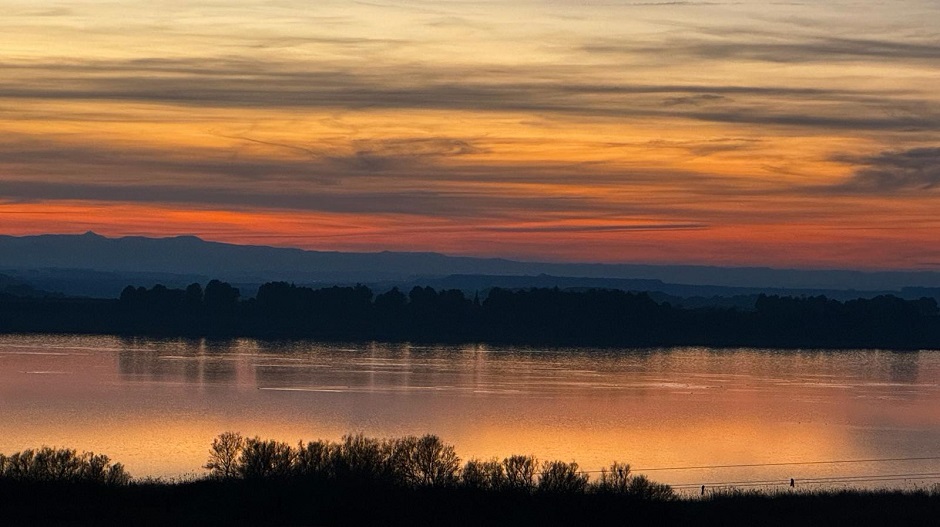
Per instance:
x=773, y=47
x=397, y=175
x=569, y=228
x=709, y=147
x=430, y=176
x=894, y=171
x=562, y=91
x=431, y=203
x=323, y=164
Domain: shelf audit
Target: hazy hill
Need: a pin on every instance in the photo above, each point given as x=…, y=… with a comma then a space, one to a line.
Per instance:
x=183, y=258
x=10, y=286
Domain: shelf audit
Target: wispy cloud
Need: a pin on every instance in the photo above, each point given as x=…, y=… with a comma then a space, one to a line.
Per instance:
x=915, y=169
x=562, y=91
x=574, y=228
x=778, y=48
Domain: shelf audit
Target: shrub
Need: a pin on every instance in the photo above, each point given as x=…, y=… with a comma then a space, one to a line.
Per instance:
x=641, y=487
x=62, y=465
x=361, y=458
x=261, y=459
x=520, y=472
x=558, y=477
x=483, y=475
x=615, y=479
x=407, y=461
x=315, y=459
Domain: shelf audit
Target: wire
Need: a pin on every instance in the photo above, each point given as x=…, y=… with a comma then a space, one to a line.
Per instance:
x=783, y=464
x=832, y=479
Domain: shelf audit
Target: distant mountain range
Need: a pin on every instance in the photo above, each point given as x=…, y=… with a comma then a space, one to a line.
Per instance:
x=94, y=265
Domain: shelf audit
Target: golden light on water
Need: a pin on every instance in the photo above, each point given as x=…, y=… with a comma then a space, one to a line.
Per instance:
x=156, y=405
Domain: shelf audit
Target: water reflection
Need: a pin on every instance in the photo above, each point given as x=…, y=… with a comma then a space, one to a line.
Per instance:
x=156, y=404
x=904, y=367
x=191, y=361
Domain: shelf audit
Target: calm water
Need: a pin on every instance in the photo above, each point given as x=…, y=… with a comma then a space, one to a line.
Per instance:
x=156, y=405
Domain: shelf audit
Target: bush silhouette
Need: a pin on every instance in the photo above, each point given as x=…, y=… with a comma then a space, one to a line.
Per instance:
x=262, y=459
x=224, y=455
x=428, y=461
x=315, y=459
x=617, y=479
x=62, y=465
x=520, y=473
x=558, y=477
x=641, y=487
x=405, y=462
x=483, y=475
x=362, y=458
x=614, y=479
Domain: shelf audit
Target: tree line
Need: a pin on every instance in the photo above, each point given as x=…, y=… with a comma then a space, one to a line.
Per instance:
x=405, y=481
x=61, y=465
x=356, y=460
x=415, y=462
x=595, y=317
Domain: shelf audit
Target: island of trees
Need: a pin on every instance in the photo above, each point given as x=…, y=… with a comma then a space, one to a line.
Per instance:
x=552, y=317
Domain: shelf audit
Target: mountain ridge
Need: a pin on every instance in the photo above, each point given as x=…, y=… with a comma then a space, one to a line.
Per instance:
x=193, y=256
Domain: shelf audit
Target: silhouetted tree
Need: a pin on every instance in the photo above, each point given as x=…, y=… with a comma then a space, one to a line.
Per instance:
x=614, y=479
x=483, y=475
x=361, y=458
x=520, y=472
x=641, y=487
x=62, y=465
x=224, y=455
x=220, y=297
x=260, y=459
x=316, y=459
x=433, y=463
x=558, y=477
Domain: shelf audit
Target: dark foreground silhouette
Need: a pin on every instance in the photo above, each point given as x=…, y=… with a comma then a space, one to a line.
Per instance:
x=407, y=481
x=528, y=317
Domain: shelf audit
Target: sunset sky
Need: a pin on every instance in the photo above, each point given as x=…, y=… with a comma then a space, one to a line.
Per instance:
x=743, y=133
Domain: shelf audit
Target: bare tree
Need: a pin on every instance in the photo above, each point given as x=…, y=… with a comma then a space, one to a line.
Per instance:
x=224, y=454
x=265, y=459
x=316, y=459
x=520, y=472
x=437, y=463
x=483, y=475
x=60, y=465
x=642, y=487
x=558, y=477
x=361, y=457
x=615, y=479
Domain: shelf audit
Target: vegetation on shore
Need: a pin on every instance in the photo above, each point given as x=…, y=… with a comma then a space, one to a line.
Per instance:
x=528, y=317
x=404, y=481
x=62, y=465
x=415, y=462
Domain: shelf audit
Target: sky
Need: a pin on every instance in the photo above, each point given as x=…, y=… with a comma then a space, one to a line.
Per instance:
x=745, y=133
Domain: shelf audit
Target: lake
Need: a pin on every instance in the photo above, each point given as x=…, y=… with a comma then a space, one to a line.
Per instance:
x=825, y=418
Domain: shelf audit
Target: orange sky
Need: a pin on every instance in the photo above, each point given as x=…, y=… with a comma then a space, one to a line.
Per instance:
x=741, y=134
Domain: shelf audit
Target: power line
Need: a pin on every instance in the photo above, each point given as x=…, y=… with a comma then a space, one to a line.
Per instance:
x=832, y=479
x=782, y=464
